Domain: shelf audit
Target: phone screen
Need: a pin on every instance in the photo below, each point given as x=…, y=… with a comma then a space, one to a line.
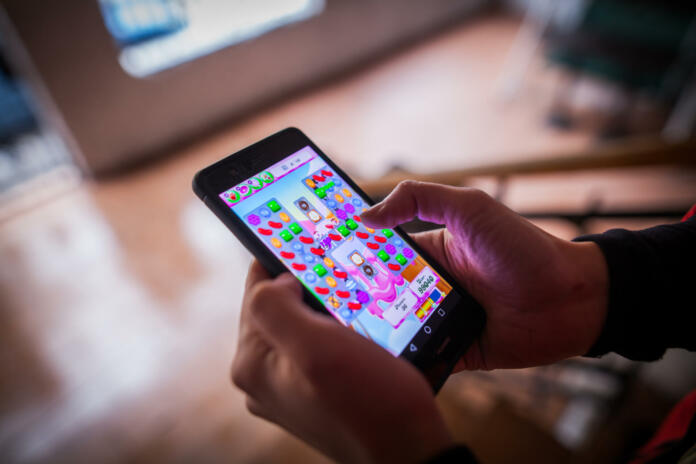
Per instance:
x=370, y=280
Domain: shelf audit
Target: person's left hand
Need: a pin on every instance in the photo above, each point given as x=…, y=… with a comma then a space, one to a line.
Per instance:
x=326, y=384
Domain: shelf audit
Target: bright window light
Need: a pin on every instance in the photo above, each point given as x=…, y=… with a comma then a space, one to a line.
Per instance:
x=160, y=34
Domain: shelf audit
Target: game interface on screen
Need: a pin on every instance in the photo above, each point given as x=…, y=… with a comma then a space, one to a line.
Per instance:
x=369, y=279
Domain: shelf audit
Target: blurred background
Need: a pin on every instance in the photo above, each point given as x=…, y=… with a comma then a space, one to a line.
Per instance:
x=120, y=292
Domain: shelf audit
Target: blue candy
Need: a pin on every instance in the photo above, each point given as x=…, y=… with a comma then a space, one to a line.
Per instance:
x=357, y=201
x=309, y=277
x=265, y=212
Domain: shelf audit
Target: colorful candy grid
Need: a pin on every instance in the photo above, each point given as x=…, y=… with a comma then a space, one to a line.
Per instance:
x=300, y=252
x=347, y=205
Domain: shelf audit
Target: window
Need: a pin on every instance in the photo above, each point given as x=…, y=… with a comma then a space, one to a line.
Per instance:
x=155, y=35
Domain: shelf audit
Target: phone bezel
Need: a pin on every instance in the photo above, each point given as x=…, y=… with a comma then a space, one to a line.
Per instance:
x=464, y=319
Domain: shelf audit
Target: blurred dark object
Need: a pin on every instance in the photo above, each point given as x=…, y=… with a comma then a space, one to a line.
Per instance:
x=645, y=48
x=625, y=67
x=132, y=21
x=27, y=150
x=15, y=115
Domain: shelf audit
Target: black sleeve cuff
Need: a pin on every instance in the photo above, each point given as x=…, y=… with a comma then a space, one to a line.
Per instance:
x=635, y=325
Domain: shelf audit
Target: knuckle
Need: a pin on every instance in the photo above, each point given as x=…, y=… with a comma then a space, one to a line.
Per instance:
x=254, y=407
x=408, y=185
x=478, y=196
x=260, y=296
x=240, y=377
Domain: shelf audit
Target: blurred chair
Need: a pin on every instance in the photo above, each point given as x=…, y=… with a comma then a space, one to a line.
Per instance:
x=644, y=48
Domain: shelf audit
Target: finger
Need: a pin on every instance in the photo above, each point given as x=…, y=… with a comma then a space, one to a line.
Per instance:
x=278, y=312
x=473, y=359
x=441, y=204
x=258, y=408
x=256, y=274
x=433, y=242
x=249, y=371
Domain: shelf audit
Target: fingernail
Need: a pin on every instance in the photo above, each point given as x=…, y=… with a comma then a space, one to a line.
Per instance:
x=371, y=211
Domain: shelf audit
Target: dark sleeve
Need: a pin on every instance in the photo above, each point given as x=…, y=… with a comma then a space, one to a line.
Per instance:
x=459, y=454
x=652, y=285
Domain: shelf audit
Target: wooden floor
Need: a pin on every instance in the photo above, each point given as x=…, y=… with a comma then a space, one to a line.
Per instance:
x=119, y=299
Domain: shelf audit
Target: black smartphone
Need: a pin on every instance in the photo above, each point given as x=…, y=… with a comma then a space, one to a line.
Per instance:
x=296, y=211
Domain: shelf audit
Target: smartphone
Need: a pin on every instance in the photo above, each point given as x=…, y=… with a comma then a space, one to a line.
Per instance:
x=296, y=211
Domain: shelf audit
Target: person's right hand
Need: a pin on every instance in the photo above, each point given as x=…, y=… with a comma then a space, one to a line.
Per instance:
x=545, y=298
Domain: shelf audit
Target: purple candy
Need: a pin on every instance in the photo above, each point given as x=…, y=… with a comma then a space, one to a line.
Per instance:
x=254, y=220
x=341, y=214
x=391, y=249
x=350, y=209
x=363, y=297
x=408, y=253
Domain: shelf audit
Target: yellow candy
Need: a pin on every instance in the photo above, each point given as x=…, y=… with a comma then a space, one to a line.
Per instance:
x=284, y=217
x=328, y=262
x=310, y=183
x=347, y=193
x=364, y=209
x=331, y=281
x=339, y=198
x=370, y=230
x=276, y=243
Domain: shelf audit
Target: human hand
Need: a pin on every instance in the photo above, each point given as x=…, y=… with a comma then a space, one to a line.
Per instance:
x=545, y=298
x=326, y=384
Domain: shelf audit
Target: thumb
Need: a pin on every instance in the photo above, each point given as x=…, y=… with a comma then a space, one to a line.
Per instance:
x=278, y=312
x=437, y=203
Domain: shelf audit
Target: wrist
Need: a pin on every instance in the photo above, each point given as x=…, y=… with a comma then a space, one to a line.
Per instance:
x=588, y=292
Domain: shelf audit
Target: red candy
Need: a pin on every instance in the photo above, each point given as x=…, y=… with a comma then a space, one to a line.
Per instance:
x=394, y=267
x=322, y=290
x=372, y=246
x=287, y=254
x=354, y=305
x=356, y=218
x=299, y=266
x=317, y=251
x=329, y=226
x=305, y=239
x=380, y=239
x=275, y=225
x=263, y=231
x=342, y=293
x=327, y=173
x=340, y=274
x=335, y=237
x=362, y=235
x=318, y=178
